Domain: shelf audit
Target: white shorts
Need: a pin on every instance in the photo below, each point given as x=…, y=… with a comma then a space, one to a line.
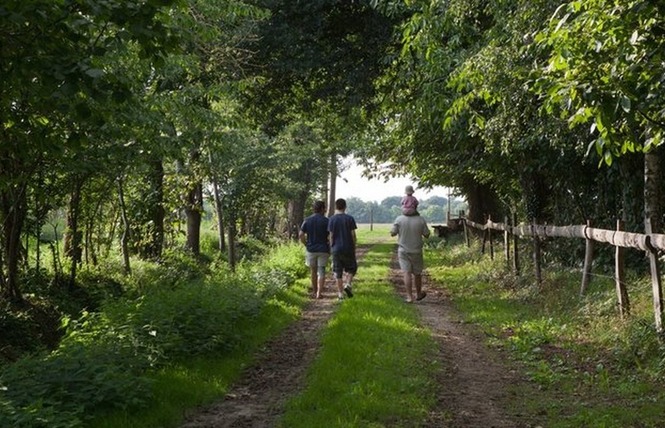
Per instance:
x=316, y=259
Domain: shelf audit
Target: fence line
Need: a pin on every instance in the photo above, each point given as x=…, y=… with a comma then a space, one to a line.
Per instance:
x=648, y=242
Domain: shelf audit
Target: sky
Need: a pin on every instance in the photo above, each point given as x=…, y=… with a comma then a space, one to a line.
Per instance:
x=352, y=183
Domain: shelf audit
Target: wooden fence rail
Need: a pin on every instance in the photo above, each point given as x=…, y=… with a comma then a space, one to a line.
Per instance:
x=650, y=243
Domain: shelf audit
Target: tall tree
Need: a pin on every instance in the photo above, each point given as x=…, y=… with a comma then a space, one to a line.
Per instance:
x=317, y=62
x=606, y=68
x=51, y=83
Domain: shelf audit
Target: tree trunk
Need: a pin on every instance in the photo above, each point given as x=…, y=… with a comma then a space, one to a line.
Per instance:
x=38, y=249
x=653, y=193
x=193, y=211
x=332, y=191
x=157, y=214
x=13, y=210
x=296, y=206
x=219, y=208
x=482, y=201
x=124, y=240
x=232, y=242
x=296, y=214
x=633, y=192
x=73, y=236
x=90, y=250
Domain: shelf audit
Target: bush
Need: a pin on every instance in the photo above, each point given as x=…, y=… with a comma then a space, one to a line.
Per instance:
x=250, y=249
x=279, y=269
x=58, y=390
x=104, y=355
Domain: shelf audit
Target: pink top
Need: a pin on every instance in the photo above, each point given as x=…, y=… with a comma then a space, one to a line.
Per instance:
x=409, y=205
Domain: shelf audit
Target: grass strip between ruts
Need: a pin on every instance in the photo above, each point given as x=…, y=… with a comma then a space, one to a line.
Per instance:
x=375, y=366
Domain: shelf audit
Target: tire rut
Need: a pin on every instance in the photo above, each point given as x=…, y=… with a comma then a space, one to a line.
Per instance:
x=257, y=398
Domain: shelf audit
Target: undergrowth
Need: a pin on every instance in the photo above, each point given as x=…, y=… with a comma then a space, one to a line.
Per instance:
x=167, y=313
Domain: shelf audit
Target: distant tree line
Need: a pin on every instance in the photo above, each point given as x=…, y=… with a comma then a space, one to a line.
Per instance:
x=434, y=209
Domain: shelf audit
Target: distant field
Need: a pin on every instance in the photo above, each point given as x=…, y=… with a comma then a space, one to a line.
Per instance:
x=373, y=233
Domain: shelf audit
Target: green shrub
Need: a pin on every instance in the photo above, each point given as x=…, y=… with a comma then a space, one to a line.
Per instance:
x=173, y=312
x=59, y=389
x=250, y=249
x=278, y=270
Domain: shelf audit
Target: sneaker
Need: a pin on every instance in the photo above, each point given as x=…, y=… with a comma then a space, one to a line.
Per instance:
x=421, y=297
x=347, y=290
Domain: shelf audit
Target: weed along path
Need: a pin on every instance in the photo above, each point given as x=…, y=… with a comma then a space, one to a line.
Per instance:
x=472, y=386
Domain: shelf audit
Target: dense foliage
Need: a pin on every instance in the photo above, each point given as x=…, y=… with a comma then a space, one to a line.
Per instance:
x=129, y=127
x=166, y=316
x=497, y=99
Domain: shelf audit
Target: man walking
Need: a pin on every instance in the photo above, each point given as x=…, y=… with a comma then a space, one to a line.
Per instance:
x=342, y=228
x=411, y=230
x=314, y=234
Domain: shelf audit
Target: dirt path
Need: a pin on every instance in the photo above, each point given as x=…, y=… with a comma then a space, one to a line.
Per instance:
x=473, y=385
x=257, y=399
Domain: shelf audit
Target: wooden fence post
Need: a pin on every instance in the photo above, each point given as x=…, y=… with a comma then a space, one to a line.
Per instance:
x=482, y=248
x=506, y=241
x=656, y=287
x=620, y=276
x=489, y=237
x=516, y=259
x=466, y=232
x=536, y=254
x=588, y=261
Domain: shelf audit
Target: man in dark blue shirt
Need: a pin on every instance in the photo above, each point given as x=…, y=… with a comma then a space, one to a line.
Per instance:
x=342, y=228
x=314, y=234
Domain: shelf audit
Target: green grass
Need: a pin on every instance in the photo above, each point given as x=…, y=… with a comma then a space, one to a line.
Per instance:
x=592, y=368
x=373, y=369
x=182, y=387
x=372, y=234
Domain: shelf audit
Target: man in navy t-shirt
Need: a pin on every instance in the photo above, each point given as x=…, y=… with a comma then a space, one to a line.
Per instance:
x=342, y=228
x=314, y=234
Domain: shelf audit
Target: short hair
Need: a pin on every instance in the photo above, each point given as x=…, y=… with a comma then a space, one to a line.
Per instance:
x=319, y=206
x=340, y=204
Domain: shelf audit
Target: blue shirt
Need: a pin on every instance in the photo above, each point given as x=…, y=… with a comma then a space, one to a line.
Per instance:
x=316, y=229
x=341, y=227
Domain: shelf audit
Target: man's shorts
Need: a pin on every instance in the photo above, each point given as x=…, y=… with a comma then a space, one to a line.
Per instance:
x=411, y=262
x=316, y=259
x=344, y=262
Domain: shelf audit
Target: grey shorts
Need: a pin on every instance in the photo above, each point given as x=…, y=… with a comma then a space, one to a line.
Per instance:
x=316, y=259
x=411, y=262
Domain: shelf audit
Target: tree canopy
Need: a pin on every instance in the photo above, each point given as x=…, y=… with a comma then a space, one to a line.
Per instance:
x=129, y=118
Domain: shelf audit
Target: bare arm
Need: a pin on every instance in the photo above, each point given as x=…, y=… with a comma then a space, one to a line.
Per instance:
x=426, y=231
x=395, y=230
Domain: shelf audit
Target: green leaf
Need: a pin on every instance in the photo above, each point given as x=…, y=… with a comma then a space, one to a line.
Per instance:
x=625, y=103
x=608, y=158
x=95, y=73
x=562, y=22
x=634, y=37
